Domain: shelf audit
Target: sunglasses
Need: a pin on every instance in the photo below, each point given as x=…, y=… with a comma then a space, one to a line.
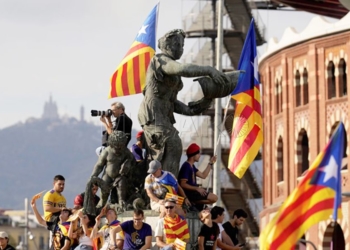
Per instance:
x=169, y=207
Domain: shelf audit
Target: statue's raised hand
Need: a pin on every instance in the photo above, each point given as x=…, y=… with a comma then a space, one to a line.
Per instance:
x=218, y=77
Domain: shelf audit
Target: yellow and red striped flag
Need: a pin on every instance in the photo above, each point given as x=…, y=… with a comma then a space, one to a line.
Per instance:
x=247, y=135
x=179, y=244
x=179, y=199
x=130, y=76
x=317, y=197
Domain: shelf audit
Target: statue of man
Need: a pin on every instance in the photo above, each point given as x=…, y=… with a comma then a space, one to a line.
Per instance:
x=116, y=160
x=163, y=82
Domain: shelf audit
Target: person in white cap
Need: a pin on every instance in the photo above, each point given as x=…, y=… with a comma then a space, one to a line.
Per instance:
x=160, y=182
x=4, y=241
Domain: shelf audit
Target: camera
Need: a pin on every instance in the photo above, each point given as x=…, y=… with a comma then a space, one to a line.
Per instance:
x=108, y=112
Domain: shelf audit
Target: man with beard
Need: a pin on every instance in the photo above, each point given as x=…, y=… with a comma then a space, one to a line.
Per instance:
x=60, y=239
x=54, y=202
x=232, y=226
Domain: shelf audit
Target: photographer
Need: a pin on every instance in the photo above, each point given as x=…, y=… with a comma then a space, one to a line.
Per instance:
x=122, y=123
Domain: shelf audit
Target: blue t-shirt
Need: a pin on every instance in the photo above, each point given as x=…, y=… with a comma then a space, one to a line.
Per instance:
x=133, y=238
x=188, y=172
x=137, y=152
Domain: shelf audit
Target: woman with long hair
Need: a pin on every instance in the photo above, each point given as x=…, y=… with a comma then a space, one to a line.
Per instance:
x=83, y=231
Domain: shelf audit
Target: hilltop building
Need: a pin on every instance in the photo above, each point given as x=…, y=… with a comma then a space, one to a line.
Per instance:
x=50, y=110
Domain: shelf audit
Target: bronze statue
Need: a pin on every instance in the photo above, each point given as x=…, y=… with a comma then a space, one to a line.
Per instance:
x=116, y=161
x=163, y=82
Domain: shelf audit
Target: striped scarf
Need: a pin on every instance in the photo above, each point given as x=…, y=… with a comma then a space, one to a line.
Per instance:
x=175, y=228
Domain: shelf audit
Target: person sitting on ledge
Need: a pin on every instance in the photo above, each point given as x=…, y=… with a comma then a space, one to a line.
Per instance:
x=105, y=231
x=171, y=227
x=137, y=234
x=187, y=178
x=160, y=182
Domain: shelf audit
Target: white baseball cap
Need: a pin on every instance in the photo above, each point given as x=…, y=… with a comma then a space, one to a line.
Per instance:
x=3, y=234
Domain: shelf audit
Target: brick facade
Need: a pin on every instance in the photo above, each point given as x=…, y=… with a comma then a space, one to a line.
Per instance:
x=304, y=97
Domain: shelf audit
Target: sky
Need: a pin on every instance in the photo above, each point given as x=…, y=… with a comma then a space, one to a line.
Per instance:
x=69, y=49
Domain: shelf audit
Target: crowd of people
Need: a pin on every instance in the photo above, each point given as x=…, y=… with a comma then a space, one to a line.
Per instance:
x=76, y=229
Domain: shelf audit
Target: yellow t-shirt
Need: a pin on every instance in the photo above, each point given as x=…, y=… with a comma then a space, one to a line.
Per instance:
x=54, y=199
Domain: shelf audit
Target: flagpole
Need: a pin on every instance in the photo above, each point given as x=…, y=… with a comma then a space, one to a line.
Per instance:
x=218, y=112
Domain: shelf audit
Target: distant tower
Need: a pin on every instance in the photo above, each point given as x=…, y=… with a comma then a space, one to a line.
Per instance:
x=82, y=111
x=50, y=110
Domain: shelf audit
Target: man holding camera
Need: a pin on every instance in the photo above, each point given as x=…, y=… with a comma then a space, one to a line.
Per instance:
x=122, y=123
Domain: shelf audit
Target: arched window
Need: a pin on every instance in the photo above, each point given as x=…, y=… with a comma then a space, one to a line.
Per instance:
x=305, y=87
x=280, y=94
x=303, y=152
x=280, y=160
x=333, y=237
x=278, y=104
x=331, y=80
x=297, y=89
x=343, y=88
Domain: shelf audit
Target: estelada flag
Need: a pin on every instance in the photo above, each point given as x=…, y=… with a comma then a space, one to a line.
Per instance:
x=130, y=76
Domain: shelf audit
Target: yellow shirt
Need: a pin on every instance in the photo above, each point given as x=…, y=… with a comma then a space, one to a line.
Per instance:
x=54, y=199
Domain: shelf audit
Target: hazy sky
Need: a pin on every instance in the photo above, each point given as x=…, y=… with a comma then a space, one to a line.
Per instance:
x=71, y=48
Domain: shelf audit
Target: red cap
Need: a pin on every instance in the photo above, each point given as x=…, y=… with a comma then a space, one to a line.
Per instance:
x=192, y=150
x=139, y=134
x=78, y=200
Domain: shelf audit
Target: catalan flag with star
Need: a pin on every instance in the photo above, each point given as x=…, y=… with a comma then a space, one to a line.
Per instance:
x=130, y=76
x=316, y=198
x=247, y=134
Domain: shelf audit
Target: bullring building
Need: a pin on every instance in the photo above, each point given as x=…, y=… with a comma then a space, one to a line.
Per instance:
x=305, y=82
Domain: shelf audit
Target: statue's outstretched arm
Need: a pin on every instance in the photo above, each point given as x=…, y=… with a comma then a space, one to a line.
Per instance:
x=172, y=67
x=183, y=109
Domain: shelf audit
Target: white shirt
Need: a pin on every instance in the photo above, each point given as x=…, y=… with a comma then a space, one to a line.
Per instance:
x=221, y=228
x=159, y=231
x=85, y=240
x=106, y=238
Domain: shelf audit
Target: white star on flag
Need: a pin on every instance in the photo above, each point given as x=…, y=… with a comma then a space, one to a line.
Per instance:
x=142, y=30
x=255, y=66
x=330, y=170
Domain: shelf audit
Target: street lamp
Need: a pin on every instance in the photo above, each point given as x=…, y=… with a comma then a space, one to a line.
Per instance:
x=20, y=246
x=31, y=237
